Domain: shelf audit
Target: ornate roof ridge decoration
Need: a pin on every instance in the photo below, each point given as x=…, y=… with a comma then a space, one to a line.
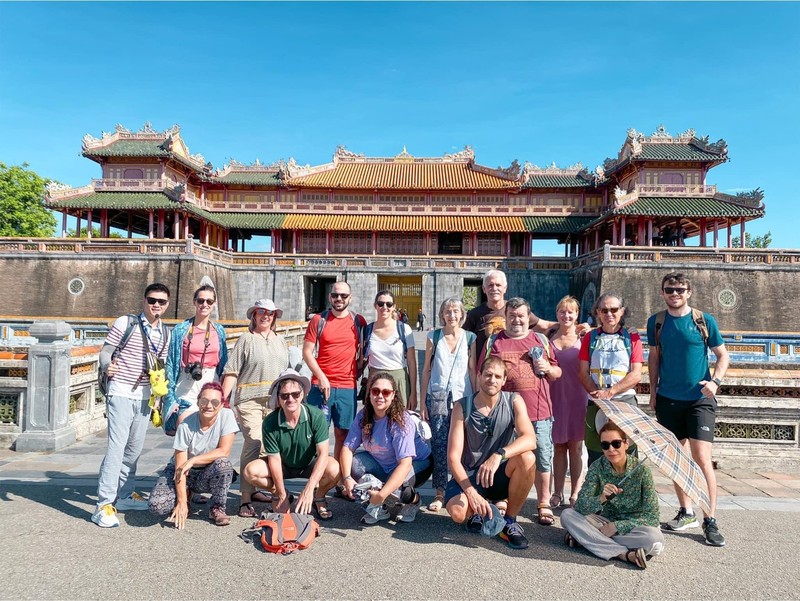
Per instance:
x=719, y=147
x=512, y=173
x=752, y=199
x=342, y=155
x=255, y=167
x=552, y=169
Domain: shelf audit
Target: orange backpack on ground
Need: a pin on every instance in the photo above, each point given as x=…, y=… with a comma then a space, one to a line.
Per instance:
x=285, y=533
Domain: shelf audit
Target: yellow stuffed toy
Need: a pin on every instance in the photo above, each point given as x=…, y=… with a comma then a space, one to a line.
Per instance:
x=158, y=388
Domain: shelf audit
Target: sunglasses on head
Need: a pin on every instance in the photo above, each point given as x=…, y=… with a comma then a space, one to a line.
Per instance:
x=265, y=312
x=384, y=392
x=202, y=402
x=387, y=304
x=670, y=290
x=284, y=396
x=205, y=301
x=606, y=444
x=608, y=310
x=342, y=295
x=159, y=301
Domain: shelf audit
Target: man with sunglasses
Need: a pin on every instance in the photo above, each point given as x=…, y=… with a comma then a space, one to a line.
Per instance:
x=124, y=360
x=682, y=390
x=296, y=442
x=332, y=351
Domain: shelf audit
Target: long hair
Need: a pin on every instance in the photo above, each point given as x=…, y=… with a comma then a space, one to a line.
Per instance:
x=396, y=412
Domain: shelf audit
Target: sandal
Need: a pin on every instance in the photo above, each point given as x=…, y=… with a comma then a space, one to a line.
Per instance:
x=639, y=558
x=502, y=507
x=261, y=497
x=570, y=541
x=556, y=500
x=246, y=510
x=572, y=501
x=546, y=517
x=341, y=492
x=321, y=509
x=437, y=503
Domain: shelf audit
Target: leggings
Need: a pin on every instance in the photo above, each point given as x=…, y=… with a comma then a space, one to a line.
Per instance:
x=214, y=478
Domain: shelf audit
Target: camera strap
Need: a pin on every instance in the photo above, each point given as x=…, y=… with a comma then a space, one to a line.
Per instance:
x=206, y=343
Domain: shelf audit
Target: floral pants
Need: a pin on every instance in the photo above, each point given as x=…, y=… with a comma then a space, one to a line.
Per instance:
x=214, y=478
x=440, y=430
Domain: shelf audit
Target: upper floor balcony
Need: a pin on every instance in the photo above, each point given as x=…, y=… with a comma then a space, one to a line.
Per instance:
x=667, y=190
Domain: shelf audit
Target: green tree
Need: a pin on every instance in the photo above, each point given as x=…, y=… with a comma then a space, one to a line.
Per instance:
x=22, y=209
x=753, y=241
x=95, y=233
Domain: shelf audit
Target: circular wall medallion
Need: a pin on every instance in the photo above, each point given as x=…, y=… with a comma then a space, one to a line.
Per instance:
x=727, y=298
x=76, y=286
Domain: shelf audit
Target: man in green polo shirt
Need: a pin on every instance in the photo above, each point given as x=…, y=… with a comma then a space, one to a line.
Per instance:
x=296, y=442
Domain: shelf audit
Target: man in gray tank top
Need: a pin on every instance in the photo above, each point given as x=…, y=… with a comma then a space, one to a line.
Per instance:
x=490, y=454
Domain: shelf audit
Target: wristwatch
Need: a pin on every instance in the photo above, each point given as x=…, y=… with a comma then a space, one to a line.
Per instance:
x=717, y=381
x=502, y=452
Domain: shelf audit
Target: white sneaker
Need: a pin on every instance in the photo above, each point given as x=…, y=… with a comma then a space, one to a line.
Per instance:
x=106, y=516
x=375, y=513
x=409, y=511
x=135, y=502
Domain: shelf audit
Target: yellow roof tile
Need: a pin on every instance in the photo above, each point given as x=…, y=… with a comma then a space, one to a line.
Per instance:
x=405, y=223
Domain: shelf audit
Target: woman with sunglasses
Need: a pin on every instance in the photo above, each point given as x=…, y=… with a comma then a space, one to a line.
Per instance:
x=202, y=446
x=445, y=378
x=569, y=403
x=389, y=347
x=616, y=514
x=610, y=366
x=197, y=355
x=393, y=452
x=259, y=357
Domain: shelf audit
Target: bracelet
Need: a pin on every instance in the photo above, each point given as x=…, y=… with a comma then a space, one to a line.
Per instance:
x=348, y=478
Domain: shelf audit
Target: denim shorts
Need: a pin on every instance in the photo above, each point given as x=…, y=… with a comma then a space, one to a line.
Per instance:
x=544, y=444
x=341, y=405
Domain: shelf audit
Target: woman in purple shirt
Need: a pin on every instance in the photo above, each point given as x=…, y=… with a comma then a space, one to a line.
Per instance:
x=393, y=452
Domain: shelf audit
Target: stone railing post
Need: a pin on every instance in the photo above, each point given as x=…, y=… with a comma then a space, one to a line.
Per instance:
x=46, y=424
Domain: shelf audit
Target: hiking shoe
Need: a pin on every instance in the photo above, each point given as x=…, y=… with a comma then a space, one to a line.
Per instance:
x=682, y=521
x=106, y=516
x=375, y=513
x=475, y=523
x=514, y=535
x=713, y=536
x=135, y=502
x=217, y=515
x=408, y=511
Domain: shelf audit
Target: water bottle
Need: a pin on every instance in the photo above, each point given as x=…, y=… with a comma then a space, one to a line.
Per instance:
x=536, y=353
x=326, y=411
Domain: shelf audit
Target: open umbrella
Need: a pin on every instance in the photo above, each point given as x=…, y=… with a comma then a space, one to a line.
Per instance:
x=661, y=447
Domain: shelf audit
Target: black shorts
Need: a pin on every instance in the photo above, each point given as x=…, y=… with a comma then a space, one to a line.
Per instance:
x=688, y=419
x=496, y=492
x=296, y=472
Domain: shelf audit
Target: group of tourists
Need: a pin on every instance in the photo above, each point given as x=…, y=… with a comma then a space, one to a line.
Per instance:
x=505, y=401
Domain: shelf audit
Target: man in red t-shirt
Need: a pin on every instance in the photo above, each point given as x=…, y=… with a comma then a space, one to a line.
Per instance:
x=333, y=360
x=531, y=380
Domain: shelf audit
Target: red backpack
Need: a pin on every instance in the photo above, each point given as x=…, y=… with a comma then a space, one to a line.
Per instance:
x=285, y=533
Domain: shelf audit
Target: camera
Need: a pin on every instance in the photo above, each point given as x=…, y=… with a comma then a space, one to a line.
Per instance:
x=195, y=370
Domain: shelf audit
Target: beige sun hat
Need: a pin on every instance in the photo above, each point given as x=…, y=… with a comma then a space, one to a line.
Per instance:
x=287, y=374
x=264, y=303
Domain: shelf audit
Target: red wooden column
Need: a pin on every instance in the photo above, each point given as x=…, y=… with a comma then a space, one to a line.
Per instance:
x=623, y=234
x=374, y=242
x=186, y=226
x=716, y=234
x=64, y=224
x=162, y=220
x=741, y=233
x=176, y=231
x=614, y=233
x=130, y=226
x=78, y=225
x=150, y=224
x=89, y=224
x=328, y=238
x=649, y=232
x=703, y=231
x=729, y=224
x=104, y=223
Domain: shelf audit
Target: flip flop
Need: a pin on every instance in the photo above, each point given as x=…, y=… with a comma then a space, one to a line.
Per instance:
x=570, y=541
x=639, y=558
x=321, y=509
x=556, y=500
x=546, y=517
x=261, y=497
x=246, y=510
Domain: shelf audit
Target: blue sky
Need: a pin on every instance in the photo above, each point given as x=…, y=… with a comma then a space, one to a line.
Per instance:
x=537, y=82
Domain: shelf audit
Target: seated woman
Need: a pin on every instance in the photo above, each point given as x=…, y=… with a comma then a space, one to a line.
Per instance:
x=627, y=526
x=202, y=446
x=393, y=451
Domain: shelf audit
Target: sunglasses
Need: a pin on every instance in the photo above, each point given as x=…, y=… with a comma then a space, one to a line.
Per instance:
x=284, y=396
x=608, y=310
x=384, y=392
x=205, y=301
x=213, y=402
x=605, y=444
x=342, y=295
x=159, y=301
x=387, y=304
x=669, y=290
x=266, y=312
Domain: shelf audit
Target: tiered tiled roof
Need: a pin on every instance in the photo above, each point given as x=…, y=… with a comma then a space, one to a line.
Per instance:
x=686, y=207
x=555, y=225
x=404, y=223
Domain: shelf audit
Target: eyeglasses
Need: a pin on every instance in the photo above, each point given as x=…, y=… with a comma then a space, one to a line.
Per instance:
x=161, y=301
x=387, y=304
x=384, y=392
x=266, y=312
x=608, y=310
x=202, y=402
x=341, y=295
x=205, y=301
x=669, y=290
x=605, y=444
x=284, y=396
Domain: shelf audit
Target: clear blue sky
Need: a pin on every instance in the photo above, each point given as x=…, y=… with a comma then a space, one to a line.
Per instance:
x=539, y=82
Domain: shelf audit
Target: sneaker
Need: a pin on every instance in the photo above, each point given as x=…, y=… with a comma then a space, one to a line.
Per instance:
x=514, y=535
x=682, y=521
x=106, y=516
x=409, y=511
x=713, y=536
x=217, y=515
x=135, y=502
x=375, y=513
x=475, y=523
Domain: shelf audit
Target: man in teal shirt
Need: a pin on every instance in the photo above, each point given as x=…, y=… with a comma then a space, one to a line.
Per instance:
x=682, y=390
x=296, y=441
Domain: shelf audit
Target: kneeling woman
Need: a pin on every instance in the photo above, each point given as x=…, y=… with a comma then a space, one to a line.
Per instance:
x=393, y=451
x=628, y=525
x=202, y=446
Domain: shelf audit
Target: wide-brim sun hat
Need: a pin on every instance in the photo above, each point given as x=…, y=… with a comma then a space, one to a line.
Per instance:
x=264, y=303
x=287, y=374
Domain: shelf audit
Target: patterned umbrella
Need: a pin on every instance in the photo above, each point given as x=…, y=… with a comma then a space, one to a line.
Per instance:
x=661, y=447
